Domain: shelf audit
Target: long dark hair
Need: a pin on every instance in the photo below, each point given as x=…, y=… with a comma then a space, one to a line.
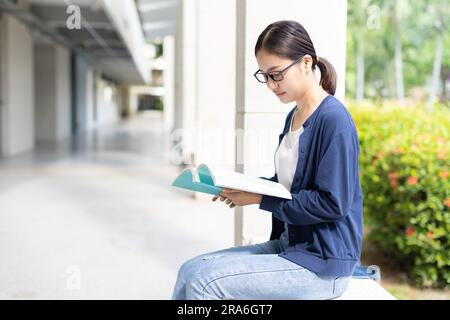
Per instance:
x=288, y=39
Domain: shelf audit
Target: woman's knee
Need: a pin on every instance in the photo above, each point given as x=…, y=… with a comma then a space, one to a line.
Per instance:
x=186, y=267
x=192, y=265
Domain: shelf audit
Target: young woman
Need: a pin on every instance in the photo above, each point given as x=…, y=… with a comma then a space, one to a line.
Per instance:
x=316, y=236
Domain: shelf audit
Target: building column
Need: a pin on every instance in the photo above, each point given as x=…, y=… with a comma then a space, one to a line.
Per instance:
x=169, y=82
x=80, y=68
x=125, y=101
x=16, y=87
x=52, y=92
x=186, y=83
x=259, y=114
x=205, y=76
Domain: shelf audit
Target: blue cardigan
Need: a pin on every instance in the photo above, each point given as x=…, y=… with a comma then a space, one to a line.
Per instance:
x=325, y=214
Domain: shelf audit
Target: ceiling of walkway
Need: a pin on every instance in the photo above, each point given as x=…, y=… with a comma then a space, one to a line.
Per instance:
x=97, y=39
x=158, y=17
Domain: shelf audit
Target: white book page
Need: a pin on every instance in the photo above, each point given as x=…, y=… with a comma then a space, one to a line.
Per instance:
x=235, y=180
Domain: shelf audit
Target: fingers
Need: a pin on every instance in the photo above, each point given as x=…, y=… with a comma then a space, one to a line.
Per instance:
x=217, y=197
x=223, y=198
x=230, y=203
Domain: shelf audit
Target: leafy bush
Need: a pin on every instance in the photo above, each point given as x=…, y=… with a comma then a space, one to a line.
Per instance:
x=404, y=169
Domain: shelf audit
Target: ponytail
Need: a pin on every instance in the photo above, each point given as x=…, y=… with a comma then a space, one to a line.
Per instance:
x=328, y=77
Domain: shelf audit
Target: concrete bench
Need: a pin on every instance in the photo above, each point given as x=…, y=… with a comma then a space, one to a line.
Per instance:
x=365, y=289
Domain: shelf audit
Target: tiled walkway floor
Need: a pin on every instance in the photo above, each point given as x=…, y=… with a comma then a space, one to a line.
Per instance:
x=96, y=218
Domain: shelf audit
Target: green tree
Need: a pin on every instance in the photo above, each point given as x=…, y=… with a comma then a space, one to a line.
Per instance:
x=440, y=11
x=407, y=48
x=357, y=21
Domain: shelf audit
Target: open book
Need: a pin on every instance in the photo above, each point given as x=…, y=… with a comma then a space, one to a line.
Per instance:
x=208, y=179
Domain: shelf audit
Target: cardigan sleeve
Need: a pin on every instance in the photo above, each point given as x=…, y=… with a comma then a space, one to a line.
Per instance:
x=334, y=186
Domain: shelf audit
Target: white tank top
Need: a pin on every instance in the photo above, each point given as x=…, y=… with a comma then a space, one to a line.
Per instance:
x=286, y=158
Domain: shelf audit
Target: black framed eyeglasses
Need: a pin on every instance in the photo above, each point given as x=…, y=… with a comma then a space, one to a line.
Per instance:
x=263, y=77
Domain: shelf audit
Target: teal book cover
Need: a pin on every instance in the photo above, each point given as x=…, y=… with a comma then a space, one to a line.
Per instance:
x=199, y=179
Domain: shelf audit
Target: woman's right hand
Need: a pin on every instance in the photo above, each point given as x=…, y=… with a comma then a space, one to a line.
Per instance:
x=223, y=199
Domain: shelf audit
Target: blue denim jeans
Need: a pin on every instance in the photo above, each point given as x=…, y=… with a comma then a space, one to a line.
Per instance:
x=254, y=272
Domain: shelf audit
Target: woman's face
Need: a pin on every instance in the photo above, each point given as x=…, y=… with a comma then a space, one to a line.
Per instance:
x=293, y=85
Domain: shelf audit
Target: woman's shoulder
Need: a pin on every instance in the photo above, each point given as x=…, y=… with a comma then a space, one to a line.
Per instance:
x=335, y=116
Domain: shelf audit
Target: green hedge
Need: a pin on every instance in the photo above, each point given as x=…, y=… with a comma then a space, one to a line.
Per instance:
x=405, y=178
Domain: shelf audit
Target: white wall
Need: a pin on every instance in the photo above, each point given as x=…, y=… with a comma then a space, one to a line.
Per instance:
x=52, y=92
x=16, y=45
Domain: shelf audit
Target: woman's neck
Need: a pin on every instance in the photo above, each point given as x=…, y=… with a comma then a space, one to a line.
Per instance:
x=310, y=101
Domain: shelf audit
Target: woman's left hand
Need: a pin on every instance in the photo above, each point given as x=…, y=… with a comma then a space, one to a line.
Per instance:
x=240, y=198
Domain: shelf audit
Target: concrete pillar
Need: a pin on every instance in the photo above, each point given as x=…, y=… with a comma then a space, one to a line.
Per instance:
x=169, y=82
x=52, y=92
x=216, y=75
x=64, y=89
x=80, y=94
x=108, y=101
x=17, y=87
x=260, y=115
x=186, y=83
x=205, y=76
x=91, y=116
x=125, y=102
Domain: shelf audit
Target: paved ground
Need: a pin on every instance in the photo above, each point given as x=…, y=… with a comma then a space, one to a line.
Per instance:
x=96, y=218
